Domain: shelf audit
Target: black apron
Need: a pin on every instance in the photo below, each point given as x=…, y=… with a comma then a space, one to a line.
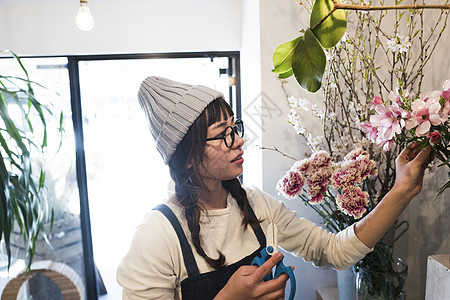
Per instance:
x=207, y=285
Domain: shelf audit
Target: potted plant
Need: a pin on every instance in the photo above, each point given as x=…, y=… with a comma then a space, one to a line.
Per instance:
x=23, y=136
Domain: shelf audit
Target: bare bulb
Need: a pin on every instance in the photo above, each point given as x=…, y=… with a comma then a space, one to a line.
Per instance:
x=84, y=18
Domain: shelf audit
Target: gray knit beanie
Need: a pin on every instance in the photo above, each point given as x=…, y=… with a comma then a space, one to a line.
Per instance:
x=171, y=108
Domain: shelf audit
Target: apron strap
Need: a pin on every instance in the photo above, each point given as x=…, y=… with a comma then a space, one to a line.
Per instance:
x=257, y=229
x=188, y=256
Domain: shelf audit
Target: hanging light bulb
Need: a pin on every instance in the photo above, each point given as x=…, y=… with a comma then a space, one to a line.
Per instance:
x=84, y=19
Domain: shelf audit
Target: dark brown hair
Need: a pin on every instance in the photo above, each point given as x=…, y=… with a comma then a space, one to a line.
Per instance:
x=188, y=181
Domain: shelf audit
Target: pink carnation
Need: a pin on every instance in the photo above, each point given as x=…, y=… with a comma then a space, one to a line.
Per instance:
x=303, y=166
x=353, y=202
x=320, y=176
x=366, y=167
x=320, y=159
x=291, y=184
x=317, y=199
x=347, y=175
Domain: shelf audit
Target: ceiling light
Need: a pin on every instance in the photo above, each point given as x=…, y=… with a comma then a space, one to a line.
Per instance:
x=84, y=19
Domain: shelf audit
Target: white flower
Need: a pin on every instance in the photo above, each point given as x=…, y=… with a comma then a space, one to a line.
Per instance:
x=398, y=43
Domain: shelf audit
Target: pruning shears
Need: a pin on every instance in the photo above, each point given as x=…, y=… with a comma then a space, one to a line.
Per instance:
x=270, y=249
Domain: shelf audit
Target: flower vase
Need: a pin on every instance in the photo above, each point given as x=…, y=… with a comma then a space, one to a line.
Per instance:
x=346, y=284
x=374, y=285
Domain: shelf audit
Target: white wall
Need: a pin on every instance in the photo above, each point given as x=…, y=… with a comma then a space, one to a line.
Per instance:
x=48, y=27
x=280, y=22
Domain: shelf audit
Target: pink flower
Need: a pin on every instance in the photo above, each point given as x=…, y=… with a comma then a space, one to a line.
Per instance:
x=366, y=166
x=395, y=97
x=446, y=96
x=320, y=176
x=291, y=184
x=424, y=113
x=387, y=145
x=303, y=166
x=446, y=92
x=375, y=101
x=317, y=199
x=434, y=136
x=320, y=159
x=353, y=202
x=352, y=155
x=347, y=175
x=370, y=131
x=387, y=120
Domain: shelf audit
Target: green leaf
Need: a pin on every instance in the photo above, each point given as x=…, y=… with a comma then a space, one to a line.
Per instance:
x=286, y=74
x=308, y=62
x=331, y=30
x=282, y=57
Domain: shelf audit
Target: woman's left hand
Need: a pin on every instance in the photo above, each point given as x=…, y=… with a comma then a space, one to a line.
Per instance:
x=411, y=165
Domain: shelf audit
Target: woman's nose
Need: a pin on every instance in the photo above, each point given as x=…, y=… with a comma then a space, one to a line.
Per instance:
x=238, y=141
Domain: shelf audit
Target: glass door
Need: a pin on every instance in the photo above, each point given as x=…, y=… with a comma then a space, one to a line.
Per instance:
x=126, y=176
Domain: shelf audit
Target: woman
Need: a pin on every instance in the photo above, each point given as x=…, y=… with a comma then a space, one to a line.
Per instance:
x=201, y=243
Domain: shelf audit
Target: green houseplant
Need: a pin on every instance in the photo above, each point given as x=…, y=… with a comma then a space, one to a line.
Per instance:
x=23, y=136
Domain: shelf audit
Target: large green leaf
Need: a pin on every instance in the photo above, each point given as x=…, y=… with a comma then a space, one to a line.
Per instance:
x=308, y=62
x=282, y=57
x=286, y=74
x=332, y=28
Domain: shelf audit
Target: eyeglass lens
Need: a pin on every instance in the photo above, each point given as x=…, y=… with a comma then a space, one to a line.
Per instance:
x=231, y=131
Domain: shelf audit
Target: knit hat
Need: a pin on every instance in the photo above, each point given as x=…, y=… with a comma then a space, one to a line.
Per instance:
x=171, y=108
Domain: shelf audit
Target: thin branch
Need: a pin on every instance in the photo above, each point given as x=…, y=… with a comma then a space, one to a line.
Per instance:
x=373, y=8
x=389, y=7
x=276, y=150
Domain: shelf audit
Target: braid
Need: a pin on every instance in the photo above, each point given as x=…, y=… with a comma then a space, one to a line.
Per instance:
x=235, y=188
x=186, y=194
x=188, y=182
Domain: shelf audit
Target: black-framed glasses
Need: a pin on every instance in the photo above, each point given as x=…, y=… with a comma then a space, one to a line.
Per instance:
x=229, y=134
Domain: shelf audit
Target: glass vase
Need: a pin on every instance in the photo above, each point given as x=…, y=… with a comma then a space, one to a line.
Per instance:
x=374, y=285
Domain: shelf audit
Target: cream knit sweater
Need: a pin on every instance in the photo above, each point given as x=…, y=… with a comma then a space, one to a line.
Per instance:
x=154, y=267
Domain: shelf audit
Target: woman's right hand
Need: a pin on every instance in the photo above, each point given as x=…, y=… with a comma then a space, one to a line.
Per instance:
x=248, y=282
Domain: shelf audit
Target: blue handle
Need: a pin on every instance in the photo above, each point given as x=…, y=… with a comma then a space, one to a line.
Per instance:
x=280, y=269
x=260, y=260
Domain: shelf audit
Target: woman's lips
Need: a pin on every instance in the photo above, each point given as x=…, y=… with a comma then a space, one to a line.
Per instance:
x=238, y=158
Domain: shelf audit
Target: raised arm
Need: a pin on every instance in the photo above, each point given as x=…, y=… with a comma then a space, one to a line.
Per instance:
x=410, y=167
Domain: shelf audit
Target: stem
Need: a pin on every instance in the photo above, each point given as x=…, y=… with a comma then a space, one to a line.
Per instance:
x=369, y=8
x=276, y=150
x=389, y=7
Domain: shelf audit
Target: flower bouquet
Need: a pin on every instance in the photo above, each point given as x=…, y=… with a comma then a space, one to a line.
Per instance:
x=420, y=119
x=340, y=193
x=335, y=190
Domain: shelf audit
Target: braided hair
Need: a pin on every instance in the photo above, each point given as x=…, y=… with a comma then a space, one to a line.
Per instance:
x=188, y=182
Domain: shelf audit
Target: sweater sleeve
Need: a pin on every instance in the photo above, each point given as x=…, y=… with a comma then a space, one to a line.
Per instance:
x=304, y=238
x=148, y=269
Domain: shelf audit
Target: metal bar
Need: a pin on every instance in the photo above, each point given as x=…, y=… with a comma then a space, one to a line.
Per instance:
x=77, y=119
